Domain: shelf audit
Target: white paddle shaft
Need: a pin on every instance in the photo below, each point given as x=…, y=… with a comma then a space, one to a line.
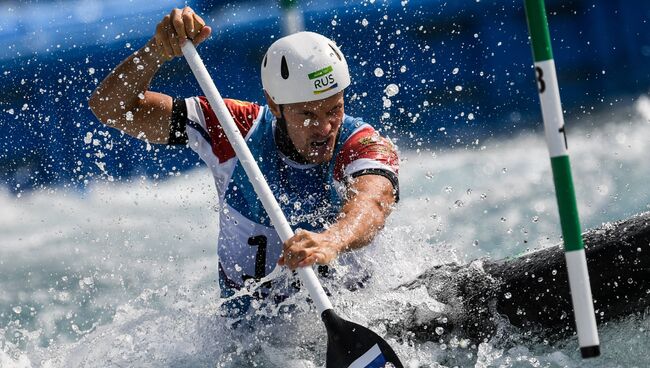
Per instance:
x=307, y=275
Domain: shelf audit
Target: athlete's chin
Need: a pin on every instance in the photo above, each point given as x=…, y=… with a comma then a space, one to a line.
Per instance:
x=319, y=158
x=319, y=154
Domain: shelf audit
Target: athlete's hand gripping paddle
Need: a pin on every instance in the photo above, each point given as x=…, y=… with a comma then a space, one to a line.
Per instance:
x=349, y=344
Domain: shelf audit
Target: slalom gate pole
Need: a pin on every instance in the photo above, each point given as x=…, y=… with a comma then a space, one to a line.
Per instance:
x=292, y=19
x=549, y=96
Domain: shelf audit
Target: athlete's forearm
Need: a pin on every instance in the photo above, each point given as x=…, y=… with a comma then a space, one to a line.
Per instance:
x=119, y=100
x=370, y=201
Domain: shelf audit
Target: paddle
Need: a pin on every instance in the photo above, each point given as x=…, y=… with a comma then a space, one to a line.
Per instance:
x=349, y=344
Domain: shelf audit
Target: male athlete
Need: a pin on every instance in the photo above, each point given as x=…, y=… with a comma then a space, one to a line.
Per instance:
x=333, y=175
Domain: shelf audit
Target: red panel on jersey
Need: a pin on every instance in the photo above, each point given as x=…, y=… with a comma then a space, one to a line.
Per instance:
x=243, y=113
x=366, y=143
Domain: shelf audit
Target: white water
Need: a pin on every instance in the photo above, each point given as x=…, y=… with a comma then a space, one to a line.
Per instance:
x=124, y=274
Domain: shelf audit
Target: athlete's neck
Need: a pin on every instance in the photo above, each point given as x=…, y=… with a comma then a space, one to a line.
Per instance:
x=284, y=144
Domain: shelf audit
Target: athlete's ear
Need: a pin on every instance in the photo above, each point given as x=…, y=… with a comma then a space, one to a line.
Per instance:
x=275, y=108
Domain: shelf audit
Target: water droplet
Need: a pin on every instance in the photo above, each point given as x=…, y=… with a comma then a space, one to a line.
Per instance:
x=379, y=72
x=391, y=90
x=507, y=295
x=554, y=272
x=458, y=88
x=448, y=189
x=364, y=22
x=475, y=243
x=535, y=219
x=440, y=330
x=91, y=71
x=17, y=309
x=455, y=71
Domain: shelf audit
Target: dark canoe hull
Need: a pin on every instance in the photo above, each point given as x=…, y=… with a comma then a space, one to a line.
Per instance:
x=531, y=292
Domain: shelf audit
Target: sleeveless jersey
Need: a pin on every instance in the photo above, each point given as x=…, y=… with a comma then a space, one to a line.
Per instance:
x=310, y=195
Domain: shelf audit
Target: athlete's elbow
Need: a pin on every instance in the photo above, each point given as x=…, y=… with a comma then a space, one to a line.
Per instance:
x=99, y=107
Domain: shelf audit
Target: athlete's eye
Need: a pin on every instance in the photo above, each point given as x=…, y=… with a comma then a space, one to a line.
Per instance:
x=335, y=110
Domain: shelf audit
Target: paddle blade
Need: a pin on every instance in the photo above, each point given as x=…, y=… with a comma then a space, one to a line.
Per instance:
x=351, y=345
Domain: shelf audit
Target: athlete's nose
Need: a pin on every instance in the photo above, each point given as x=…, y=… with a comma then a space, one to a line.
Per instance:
x=324, y=127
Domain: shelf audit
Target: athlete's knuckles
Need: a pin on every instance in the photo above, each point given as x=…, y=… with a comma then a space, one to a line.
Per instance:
x=177, y=19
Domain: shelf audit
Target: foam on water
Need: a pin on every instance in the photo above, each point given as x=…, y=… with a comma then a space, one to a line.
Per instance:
x=124, y=274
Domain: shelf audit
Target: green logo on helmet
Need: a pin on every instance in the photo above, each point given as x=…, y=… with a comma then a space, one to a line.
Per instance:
x=323, y=80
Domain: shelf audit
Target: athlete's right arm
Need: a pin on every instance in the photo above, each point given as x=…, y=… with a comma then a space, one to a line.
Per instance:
x=123, y=99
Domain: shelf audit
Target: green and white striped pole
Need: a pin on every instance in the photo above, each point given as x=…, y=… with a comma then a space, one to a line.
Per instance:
x=292, y=20
x=549, y=96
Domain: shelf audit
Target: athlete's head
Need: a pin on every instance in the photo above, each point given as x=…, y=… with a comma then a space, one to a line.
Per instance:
x=304, y=75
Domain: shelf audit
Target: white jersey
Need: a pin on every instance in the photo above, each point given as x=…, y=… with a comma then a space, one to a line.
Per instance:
x=310, y=195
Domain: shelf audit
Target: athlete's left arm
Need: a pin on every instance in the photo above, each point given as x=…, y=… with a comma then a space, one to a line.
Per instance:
x=369, y=201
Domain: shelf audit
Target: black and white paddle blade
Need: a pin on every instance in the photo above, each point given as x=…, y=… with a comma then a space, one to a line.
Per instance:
x=351, y=345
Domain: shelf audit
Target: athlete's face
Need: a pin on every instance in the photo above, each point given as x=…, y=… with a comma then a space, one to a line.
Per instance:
x=313, y=127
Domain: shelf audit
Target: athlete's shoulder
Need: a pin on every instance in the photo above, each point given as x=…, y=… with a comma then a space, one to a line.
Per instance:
x=244, y=114
x=363, y=148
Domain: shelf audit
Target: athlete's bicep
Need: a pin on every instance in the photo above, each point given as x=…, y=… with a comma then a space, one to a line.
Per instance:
x=371, y=190
x=150, y=119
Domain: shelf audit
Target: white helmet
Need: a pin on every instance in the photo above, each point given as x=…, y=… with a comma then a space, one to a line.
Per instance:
x=302, y=67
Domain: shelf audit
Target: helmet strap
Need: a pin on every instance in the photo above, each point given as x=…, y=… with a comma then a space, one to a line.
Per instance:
x=283, y=141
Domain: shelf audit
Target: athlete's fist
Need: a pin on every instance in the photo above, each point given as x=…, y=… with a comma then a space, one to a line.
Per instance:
x=176, y=28
x=306, y=248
